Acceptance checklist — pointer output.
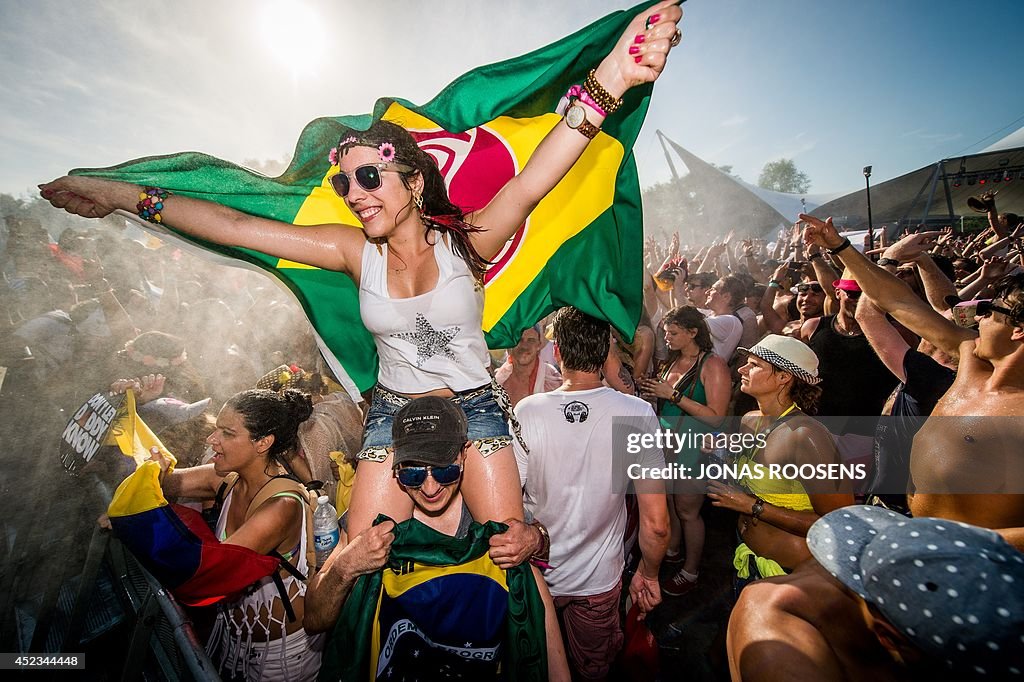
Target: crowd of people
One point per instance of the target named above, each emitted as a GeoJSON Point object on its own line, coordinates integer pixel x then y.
{"type": "Point", "coordinates": [900, 361]}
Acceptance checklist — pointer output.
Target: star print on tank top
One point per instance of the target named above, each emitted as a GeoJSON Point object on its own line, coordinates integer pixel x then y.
{"type": "Point", "coordinates": [429, 341]}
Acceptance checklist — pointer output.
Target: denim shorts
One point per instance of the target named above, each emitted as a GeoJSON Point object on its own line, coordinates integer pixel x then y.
{"type": "Point", "coordinates": [486, 412]}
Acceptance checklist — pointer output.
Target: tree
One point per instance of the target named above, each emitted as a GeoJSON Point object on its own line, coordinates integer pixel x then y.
{"type": "Point", "coordinates": [782, 176]}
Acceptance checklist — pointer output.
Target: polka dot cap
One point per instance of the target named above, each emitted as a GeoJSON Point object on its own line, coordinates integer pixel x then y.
{"type": "Point", "coordinates": [955, 591]}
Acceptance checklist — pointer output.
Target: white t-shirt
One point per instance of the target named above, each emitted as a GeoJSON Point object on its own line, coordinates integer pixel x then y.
{"type": "Point", "coordinates": [571, 484]}
{"type": "Point", "coordinates": [726, 331]}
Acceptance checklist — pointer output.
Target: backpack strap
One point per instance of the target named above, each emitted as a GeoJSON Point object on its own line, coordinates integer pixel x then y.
{"type": "Point", "coordinates": [212, 515]}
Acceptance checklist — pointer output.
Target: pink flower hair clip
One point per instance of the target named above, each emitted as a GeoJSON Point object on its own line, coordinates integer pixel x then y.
{"type": "Point", "coordinates": [332, 156]}
{"type": "Point", "coordinates": [386, 151]}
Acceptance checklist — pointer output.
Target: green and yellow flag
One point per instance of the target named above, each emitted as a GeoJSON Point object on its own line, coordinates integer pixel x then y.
{"type": "Point", "coordinates": [582, 245]}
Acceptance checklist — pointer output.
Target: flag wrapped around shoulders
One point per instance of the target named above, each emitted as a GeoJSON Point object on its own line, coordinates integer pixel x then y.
{"type": "Point", "coordinates": [440, 603]}
{"type": "Point", "coordinates": [582, 245]}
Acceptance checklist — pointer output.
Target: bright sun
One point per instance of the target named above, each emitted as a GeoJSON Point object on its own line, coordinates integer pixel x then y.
{"type": "Point", "coordinates": [294, 33]}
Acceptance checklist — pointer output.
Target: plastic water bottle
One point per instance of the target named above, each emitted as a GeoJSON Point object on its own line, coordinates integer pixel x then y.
{"type": "Point", "coordinates": [325, 529]}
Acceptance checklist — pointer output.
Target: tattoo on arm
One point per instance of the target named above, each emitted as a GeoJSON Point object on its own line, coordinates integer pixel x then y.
{"type": "Point", "coordinates": [626, 378]}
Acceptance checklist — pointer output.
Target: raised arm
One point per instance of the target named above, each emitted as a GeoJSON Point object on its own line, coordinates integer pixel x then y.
{"type": "Point", "coordinates": [888, 344]}
{"type": "Point", "coordinates": [888, 292]}
{"type": "Point", "coordinates": [914, 248]}
{"type": "Point", "coordinates": [331, 247]}
{"type": "Point", "coordinates": [638, 57]}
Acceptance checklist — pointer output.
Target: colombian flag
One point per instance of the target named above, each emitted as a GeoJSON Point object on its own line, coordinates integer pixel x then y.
{"type": "Point", "coordinates": [177, 547]}
{"type": "Point", "coordinates": [440, 604]}
{"type": "Point", "coordinates": [172, 541]}
{"type": "Point", "coordinates": [582, 245]}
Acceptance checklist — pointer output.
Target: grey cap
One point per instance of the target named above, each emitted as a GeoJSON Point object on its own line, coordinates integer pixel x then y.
{"type": "Point", "coordinates": [955, 591]}
{"type": "Point", "coordinates": [162, 413]}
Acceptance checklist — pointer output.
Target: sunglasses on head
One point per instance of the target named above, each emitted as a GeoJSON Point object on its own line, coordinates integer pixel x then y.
{"type": "Point", "coordinates": [986, 308]}
{"type": "Point", "coordinates": [414, 477]}
{"type": "Point", "coordinates": [368, 177]}
{"type": "Point", "coordinates": [804, 288]}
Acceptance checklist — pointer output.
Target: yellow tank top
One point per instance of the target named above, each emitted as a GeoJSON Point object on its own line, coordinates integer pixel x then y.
{"type": "Point", "coordinates": [790, 494]}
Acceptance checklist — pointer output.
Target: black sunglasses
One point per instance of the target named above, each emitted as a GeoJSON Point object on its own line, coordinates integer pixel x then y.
{"type": "Point", "coordinates": [986, 308]}
{"type": "Point", "coordinates": [367, 176]}
{"type": "Point", "coordinates": [414, 477]}
{"type": "Point", "coordinates": [853, 295]}
{"type": "Point", "coordinates": [804, 288]}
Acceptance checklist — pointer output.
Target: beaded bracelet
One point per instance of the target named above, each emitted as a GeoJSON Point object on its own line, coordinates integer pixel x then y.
{"type": "Point", "coordinates": [603, 98]}
{"type": "Point", "coordinates": [151, 202]}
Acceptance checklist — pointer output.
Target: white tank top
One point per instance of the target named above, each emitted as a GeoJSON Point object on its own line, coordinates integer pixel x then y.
{"type": "Point", "coordinates": [431, 341]}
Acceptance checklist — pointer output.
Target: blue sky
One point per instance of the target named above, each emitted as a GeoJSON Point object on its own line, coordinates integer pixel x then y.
{"type": "Point", "coordinates": [833, 85]}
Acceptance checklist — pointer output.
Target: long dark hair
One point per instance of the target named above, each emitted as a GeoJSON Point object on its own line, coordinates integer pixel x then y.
{"type": "Point", "coordinates": [438, 212]}
{"type": "Point", "coordinates": [687, 317]}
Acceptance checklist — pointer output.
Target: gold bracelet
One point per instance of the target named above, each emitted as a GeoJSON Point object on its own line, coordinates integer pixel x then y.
{"type": "Point", "coordinates": [603, 98]}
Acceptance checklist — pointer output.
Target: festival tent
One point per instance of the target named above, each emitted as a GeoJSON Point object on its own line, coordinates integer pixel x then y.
{"type": "Point", "coordinates": [760, 210]}
{"type": "Point", "coordinates": [936, 193]}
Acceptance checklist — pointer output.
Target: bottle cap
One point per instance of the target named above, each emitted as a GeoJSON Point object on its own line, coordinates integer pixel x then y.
{"type": "Point", "coordinates": [322, 500]}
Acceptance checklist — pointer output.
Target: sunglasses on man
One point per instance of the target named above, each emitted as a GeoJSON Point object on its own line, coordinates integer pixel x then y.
{"type": "Point", "coordinates": [986, 308]}
{"type": "Point", "coordinates": [415, 477]}
{"type": "Point", "coordinates": [368, 176]}
{"type": "Point", "coordinates": [813, 288]}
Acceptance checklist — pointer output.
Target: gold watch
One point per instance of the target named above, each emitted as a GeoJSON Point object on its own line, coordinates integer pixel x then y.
{"type": "Point", "coordinates": [576, 118]}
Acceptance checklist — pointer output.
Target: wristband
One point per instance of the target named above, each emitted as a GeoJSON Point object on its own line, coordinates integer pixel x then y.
{"type": "Point", "coordinates": [842, 245]}
{"type": "Point", "coordinates": [577, 92]}
{"type": "Point", "coordinates": [676, 397]}
{"type": "Point", "coordinates": [888, 261]}
{"type": "Point", "coordinates": [540, 558]}
{"type": "Point", "coordinates": [815, 255]}
{"type": "Point", "coordinates": [775, 284]}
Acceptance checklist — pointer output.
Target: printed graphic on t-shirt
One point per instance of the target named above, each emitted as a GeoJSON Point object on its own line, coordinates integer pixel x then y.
{"type": "Point", "coordinates": [429, 341]}
{"type": "Point", "coordinates": [576, 411]}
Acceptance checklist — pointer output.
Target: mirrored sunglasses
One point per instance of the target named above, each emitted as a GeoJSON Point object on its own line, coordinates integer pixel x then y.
{"type": "Point", "coordinates": [368, 177]}
{"type": "Point", "coordinates": [414, 477]}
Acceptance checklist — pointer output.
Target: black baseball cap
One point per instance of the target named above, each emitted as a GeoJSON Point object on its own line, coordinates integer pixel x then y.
{"type": "Point", "coordinates": [431, 430]}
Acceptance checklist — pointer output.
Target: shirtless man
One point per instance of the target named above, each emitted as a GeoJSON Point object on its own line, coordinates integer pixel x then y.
{"type": "Point", "coordinates": [957, 452]}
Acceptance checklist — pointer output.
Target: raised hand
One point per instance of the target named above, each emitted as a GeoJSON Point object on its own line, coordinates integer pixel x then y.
{"type": "Point", "coordinates": [820, 232]}
{"type": "Point", "coordinates": [639, 55]}
{"type": "Point", "coordinates": [995, 267]}
{"type": "Point", "coordinates": [912, 246]}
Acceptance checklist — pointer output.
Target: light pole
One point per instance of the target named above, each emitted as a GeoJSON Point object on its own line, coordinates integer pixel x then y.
{"type": "Point", "coordinates": [867, 183]}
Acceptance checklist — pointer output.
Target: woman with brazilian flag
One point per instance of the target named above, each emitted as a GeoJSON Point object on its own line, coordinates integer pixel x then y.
{"type": "Point", "coordinates": [422, 208]}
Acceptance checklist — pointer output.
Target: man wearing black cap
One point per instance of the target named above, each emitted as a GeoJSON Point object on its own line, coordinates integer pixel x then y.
{"type": "Point", "coordinates": [430, 440]}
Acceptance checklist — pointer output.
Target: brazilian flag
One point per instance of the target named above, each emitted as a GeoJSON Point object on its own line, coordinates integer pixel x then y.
{"type": "Point", "coordinates": [440, 609]}
{"type": "Point", "coordinates": [581, 246]}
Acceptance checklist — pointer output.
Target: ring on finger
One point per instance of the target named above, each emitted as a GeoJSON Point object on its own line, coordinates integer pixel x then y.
{"type": "Point", "coordinates": [648, 23]}
{"type": "Point", "coordinates": [676, 37]}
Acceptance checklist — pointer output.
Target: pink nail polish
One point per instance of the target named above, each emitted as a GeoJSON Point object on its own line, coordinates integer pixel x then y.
{"type": "Point", "coordinates": [637, 59]}
{"type": "Point", "coordinates": [639, 38]}
{"type": "Point", "coordinates": [633, 49]}
{"type": "Point", "coordinates": [654, 18]}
